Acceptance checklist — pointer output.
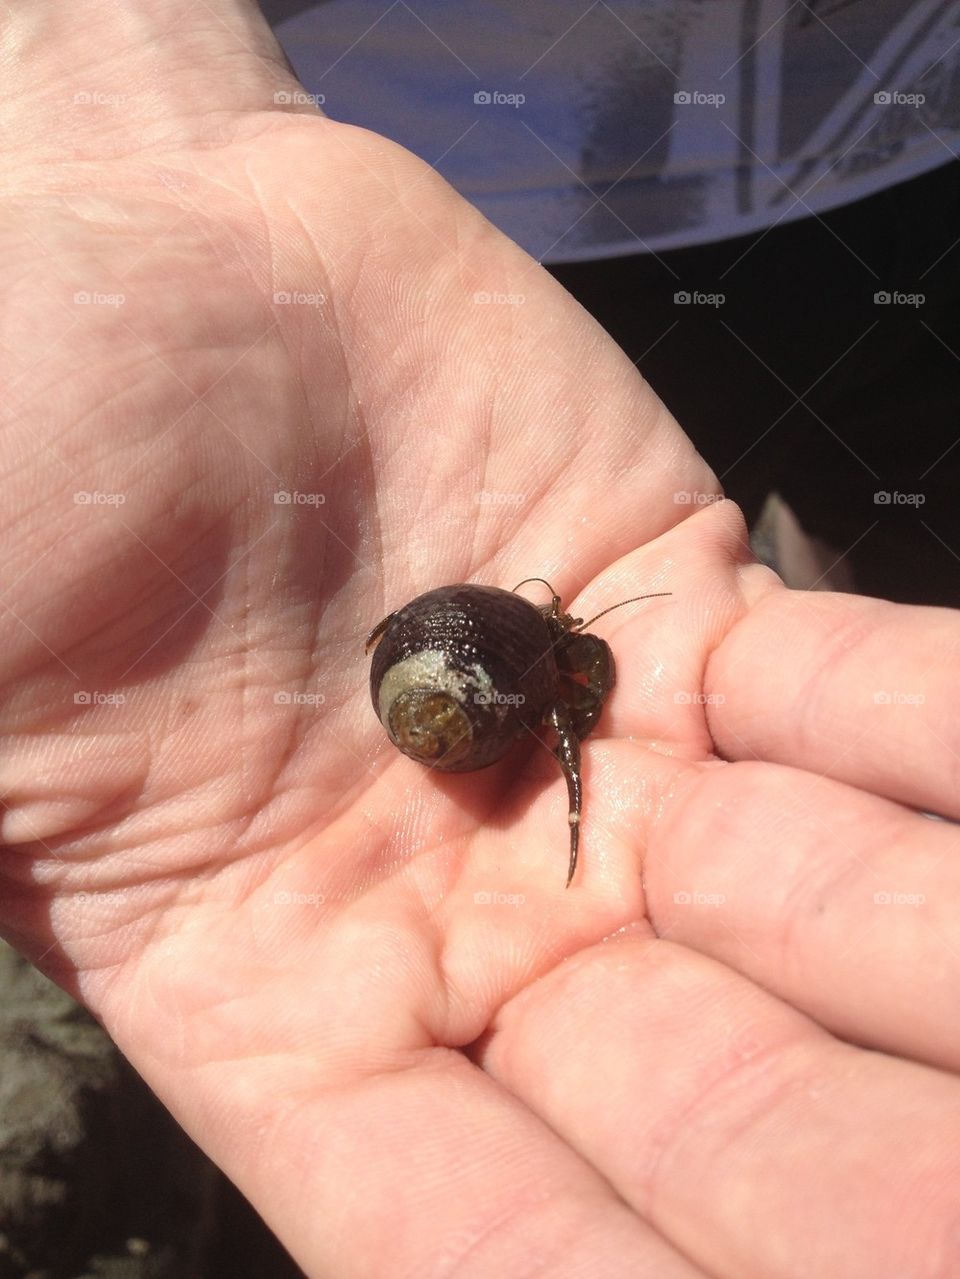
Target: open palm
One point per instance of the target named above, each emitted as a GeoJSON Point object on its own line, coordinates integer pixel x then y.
{"type": "Point", "coordinates": [269, 378]}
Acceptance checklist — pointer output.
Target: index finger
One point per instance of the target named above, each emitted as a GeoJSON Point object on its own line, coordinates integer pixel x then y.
{"type": "Point", "coordinates": [858, 689]}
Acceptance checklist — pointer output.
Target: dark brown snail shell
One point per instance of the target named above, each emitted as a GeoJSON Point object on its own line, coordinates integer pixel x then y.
{"type": "Point", "coordinates": [460, 673]}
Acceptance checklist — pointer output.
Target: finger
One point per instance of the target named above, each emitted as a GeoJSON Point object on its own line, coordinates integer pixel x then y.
{"type": "Point", "coordinates": [424, 1168]}
{"type": "Point", "coordinates": [843, 904]}
{"type": "Point", "coordinates": [659, 644]}
{"type": "Point", "coordinates": [859, 689]}
{"type": "Point", "coordinates": [762, 1147]}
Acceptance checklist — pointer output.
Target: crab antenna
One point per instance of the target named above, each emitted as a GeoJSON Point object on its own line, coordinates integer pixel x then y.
{"type": "Point", "coordinates": [656, 596]}
{"type": "Point", "coordinates": [537, 579]}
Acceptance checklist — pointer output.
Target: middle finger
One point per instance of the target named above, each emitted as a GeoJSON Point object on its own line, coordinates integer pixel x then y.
{"type": "Point", "coordinates": [760, 1146]}
{"type": "Point", "coordinates": [841, 903]}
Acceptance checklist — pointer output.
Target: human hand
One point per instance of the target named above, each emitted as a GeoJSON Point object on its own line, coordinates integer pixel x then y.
{"type": "Point", "coordinates": [274, 914]}
{"type": "Point", "coordinates": [762, 1061]}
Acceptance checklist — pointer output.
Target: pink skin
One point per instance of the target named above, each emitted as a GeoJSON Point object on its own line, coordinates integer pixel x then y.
{"type": "Point", "coordinates": [362, 989]}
